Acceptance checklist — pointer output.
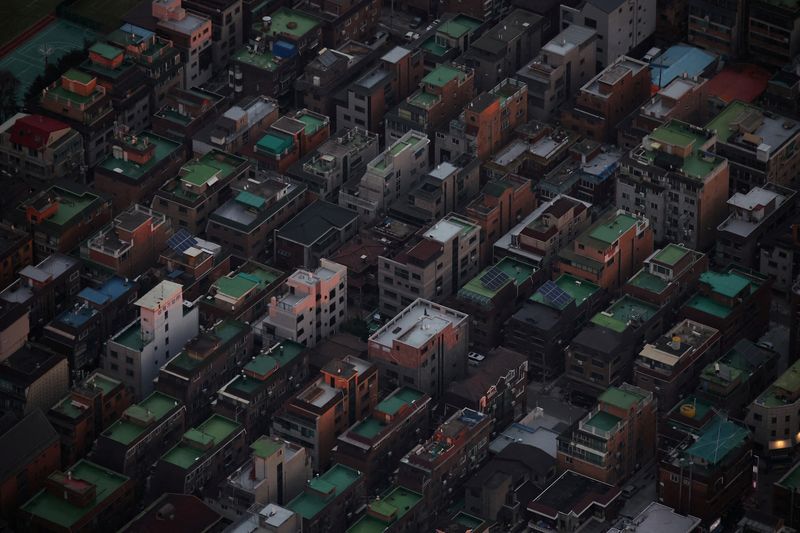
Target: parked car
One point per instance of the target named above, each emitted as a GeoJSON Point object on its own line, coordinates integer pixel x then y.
{"type": "Point", "coordinates": [416, 23]}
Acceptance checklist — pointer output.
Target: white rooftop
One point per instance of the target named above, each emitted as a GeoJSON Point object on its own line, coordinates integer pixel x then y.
{"type": "Point", "coordinates": [658, 517]}
{"type": "Point", "coordinates": [572, 36]}
{"type": "Point", "coordinates": [417, 324]}
{"type": "Point", "coordinates": [395, 54]}
{"type": "Point", "coordinates": [442, 170]}
{"type": "Point", "coordinates": [448, 228]}
{"type": "Point", "coordinates": [159, 293]}
{"type": "Point", "coordinates": [318, 394]}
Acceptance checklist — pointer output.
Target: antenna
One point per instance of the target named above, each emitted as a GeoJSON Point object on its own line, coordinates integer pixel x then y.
{"type": "Point", "coordinates": [46, 51]}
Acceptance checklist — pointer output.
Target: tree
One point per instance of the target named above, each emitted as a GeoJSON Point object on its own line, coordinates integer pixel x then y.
{"type": "Point", "coordinates": [52, 72]}
{"type": "Point", "coordinates": [9, 85]}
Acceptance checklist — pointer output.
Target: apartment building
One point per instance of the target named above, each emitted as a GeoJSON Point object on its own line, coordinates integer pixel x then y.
{"type": "Point", "coordinates": [614, 439]}
{"type": "Point", "coordinates": [486, 124]}
{"type": "Point", "coordinates": [338, 160]}
{"type": "Point", "coordinates": [773, 416]}
{"type": "Point", "coordinates": [135, 354]}
{"type": "Point", "coordinates": [563, 66]}
{"type": "Point", "coordinates": [235, 131]}
{"type": "Point", "coordinates": [343, 20]}
{"type": "Point", "coordinates": [314, 233]}
{"type": "Point", "coordinates": [388, 177]}
{"type": "Point", "coordinates": [242, 294]}
{"type": "Point", "coordinates": [588, 173]}
{"type": "Point", "coordinates": [773, 32]}
{"type": "Point", "coordinates": [422, 335]}
{"type": "Point", "coordinates": [779, 255]}
{"type": "Point", "coordinates": [670, 367]}
{"type": "Point", "coordinates": [185, 112]}
{"type": "Point", "coordinates": [327, 500]}
{"type": "Point", "coordinates": [760, 146]}
{"type": "Point", "coordinates": [191, 35]}
{"type": "Point", "coordinates": [718, 26]}
{"type": "Point", "coordinates": [503, 49]}
{"type": "Point", "coordinates": [227, 26]}
{"type": "Point", "coordinates": [398, 507]}
{"type": "Point", "coordinates": [40, 147]}
{"type": "Point", "coordinates": [313, 306]}
{"type": "Point", "coordinates": [621, 26]}
{"type": "Point", "coordinates": [610, 251]}
{"type": "Point", "coordinates": [289, 138]}
{"type": "Point", "coordinates": [434, 267]}
{"type": "Point", "coordinates": [452, 37]}
{"type": "Point", "coordinates": [668, 276]}
{"type": "Point", "coordinates": [605, 100]}
{"type": "Point", "coordinates": [572, 501]}
{"type": "Point", "coordinates": [16, 252]}
{"type": "Point", "coordinates": [676, 181]}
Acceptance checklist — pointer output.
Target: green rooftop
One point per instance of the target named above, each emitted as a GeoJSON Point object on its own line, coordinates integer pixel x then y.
{"type": "Point", "coordinates": [393, 505]}
{"type": "Point", "coordinates": [395, 401]}
{"type": "Point", "coordinates": [131, 337]}
{"type": "Point", "coordinates": [624, 312]}
{"type": "Point", "coordinates": [263, 60]}
{"type": "Point", "coordinates": [288, 22]}
{"type": "Point", "coordinates": [648, 281]}
{"type": "Point", "coordinates": [333, 482]}
{"type": "Point", "coordinates": [78, 76]}
{"type": "Point", "coordinates": [728, 284]}
{"type": "Point", "coordinates": [261, 364]}
{"type": "Point", "coordinates": [706, 305]}
{"type": "Point", "coordinates": [671, 254]}
{"type": "Point", "coordinates": [603, 421]}
{"type": "Point", "coordinates": [70, 206]}
{"type": "Point", "coordinates": [251, 200]}
{"type": "Point", "coordinates": [126, 430]}
{"type": "Point", "coordinates": [369, 428]}
{"type": "Point", "coordinates": [243, 282]}
{"type": "Point", "coordinates": [104, 383]}
{"type": "Point", "coordinates": [224, 332]}
{"type": "Point", "coordinates": [67, 408]}
{"type": "Point", "coordinates": [701, 407]}
{"type": "Point", "coordinates": [286, 351]}
{"type": "Point", "coordinates": [433, 47]}
{"type": "Point", "coordinates": [275, 143]}
{"type": "Point", "coordinates": [784, 387]}
{"type": "Point", "coordinates": [459, 25]}
{"type": "Point", "coordinates": [580, 290]}
{"type": "Point", "coordinates": [697, 164]}
{"type": "Point", "coordinates": [791, 480]}
{"type": "Point", "coordinates": [442, 75]}
{"type": "Point", "coordinates": [608, 232]}
{"type": "Point", "coordinates": [265, 447]}
{"type": "Point", "coordinates": [718, 439]}
{"type": "Point", "coordinates": [468, 520]}
{"type": "Point", "coordinates": [213, 164]}
{"type": "Point", "coordinates": [622, 398]}
{"type": "Point", "coordinates": [56, 510]}
{"type": "Point", "coordinates": [106, 51]}
{"type": "Point", "coordinates": [313, 124]}
{"type": "Point", "coordinates": [424, 99]}
{"type": "Point", "coordinates": [721, 124]}
{"type": "Point", "coordinates": [214, 430]}
{"type": "Point", "coordinates": [164, 148]}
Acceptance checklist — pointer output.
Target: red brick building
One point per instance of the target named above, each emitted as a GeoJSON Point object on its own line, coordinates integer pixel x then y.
{"type": "Point", "coordinates": [343, 20]}
{"type": "Point", "coordinates": [291, 137]}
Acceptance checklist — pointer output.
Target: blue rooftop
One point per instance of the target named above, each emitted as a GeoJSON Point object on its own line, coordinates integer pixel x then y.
{"type": "Point", "coordinates": [111, 290]}
{"type": "Point", "coordinates": [677, 60]}
{"type": "Point", "coordinates": [76, 318]}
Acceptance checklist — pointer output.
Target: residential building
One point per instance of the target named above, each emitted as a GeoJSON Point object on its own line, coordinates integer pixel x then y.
{"type": "Point", "coordinates": [674, 180]}
{"type": "Point", "coordinates": [199, 461]}
{"type": "Point", "coordinates": [421, 335]}
{"type": "Point", "coordinates": [605, 100]}
{"type": "Point", "coordinates": [190, 35]}
{"type": "Point", "coordinates": [548, 320]}
{"type": "Point", "coordinates": [343, 20]}
{"type": "Point", "coordinates": [322, 293]}
{"type": "Point", "coordinates": [40, 148]}
{"type": "Point", "coordinates": [80, 102]}
{"type": "Point", "coordinates": [783, 497]}
{"type": "Point", "coordinates": [783, 89]}
{"type": "Point", "coordinates": [388, 178]}
{"type": "Point", "coordinates": [714, 455]}
{"type": "Point", "coordinates": [614, 439]}
{"type": "Point", "coordinates": [328, 499]}
{"type": "Point", "coordinates": [773, 31]}
{"type": "Point", "coordinates": [680, 61]}
{"type": "Point", "coordinates": [14, 327]}
{"type": "Point", "coordinates": [155, 55]}
{"type": "Point", "coordinates": [618, 237]}
{"type": "Point", "coordinates": [30, 452]}
{"type": "Point", "coordinates": [398, 508]}
{"type": "Point", "coordinates": [289, 138]}
{"type": "Point", "coordinates": [185, 113]}
{"type": "Point", "coordinates": [758, 144]}
{"type": "Point", "coordinates": [498, 207]}
{"type": "Point", "coordinates": [538, 149]}
{"type": "Point", "coordinates": [136, 167]}
{"type": "Point", "coordinates": [86, 497]}
{"type": "Point", "coordinates": [486, 124]}
{"type": "Point", "coordinates": [345, 392]}
{"type": "Point", "coordinates": [275, 472]}
{"type": "Point", "coordinates": [134, 442]}
{"type": "Point", "coordinates": [199, 189]}
{"type": "Point", "coordinates": [571, 501]}
{"type": "Point", "coordinates": [602, 354]}
{"type": "Point", "coordinates": [491, 297]}
{"type": "Point", "coordinates": [316, 232]}
{"type": "Point", "coordinates": [111, 299]}
{"type": "Point", "coordinates": [444, 461]}
{"type": "Point", "coordinates": [589, 173]}
{"type": "Point", "coordinates": [131, 244]}
{"type": "Point", "coordinates": [16, 252]}
{"type": "Point", "coordinates": [81, 324]}
{"type": "Point", "coordinates": [360, 256]}
{"type": "Point", "coordinates": [236, 130]}
{"type": "Point", "coordinates": [265, 382]}
{"type": "Point", "coordinates": [656, 513]}
{"type": "Point", "coordinates": [668, 276]}
{"type": "Point", "coordinates": [502, 50]}
{"type": "Point", "coordinates": [375, 444]}
{"type": "Point", "coordinates": [718, 26]}
{"type": "Point", "coordinates": [452, 37]}
{"type": "Point", "coordinates": [735, 301]}
{"type": "Point", "coordinates": [745, 82]}
{"type": "Point", "coordinates": [139, 342]}
{"type": "Point", "coordinates": [33, 377]}
{"type": "Point", "coordinates": [446, 188]}
{"type": "Point", "coordinates": [497, 386]}
{"type": "Point", "coordinates": [124, 82]}
{"type": "Point", "coordinates": [365, 101]}
{"type": "Point", "coordinates": [612, 20]}
{"type": "Point", "coordinates": [340, 159]}
{"type": "Point", "coordinates": [735, 379]}
{"type": "Point", "coordinates": [671, 366]}
{"type": "Point", "coordinates": [187, 511]}
{"type": "Point", "coordinates": [779, 255]}
{"type": "Point", "coordinates": [227, 26]}
{"type": "Point", "coordinates": [45, 290]}
{"type": "Point", "coordinates": [79, 418]}
{"type": "Point", "coordinates": [563, 66]}
{"type": "Point", "coordinates": [61, 217]}
{"type": "Point", "coordinates": [242, 294]}
{"type": "Point", "coordinates": [434, 267]}
{"type": "Point", "coordinates": [246, 222]}
{"type": "Point", "coordinates": [538, 237]}
{"type": "Point", "coordinates": [773, 416]}
{"type": "Point", "coordinates": [205, 364]}
{"type": "Point", "coordinates": [754, 217]}
{"type": "Point", "coordinates": [443, 94]}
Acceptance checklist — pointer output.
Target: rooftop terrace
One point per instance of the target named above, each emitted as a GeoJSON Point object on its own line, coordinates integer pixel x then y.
{"type": "Point", "coordinates": [442, 75]}
{"type": "Point", "coordinates": [750, 123]}
{"type": "Point", "coordinates": [164, 148]}
{"type": "Point", "coordinates": [213, 432]}
{"type": "Point", "coordinates": [625, 312]}
{"type": "Point", "coordinates": [407, 326]}
{"type": "Point", "coordinates": [577, 289]}
{"type": "Point", "coordinates": [393, 505]}
{"type": "Point", "coordinates": [132, 424]}
{"type": "Point", "coordinates": [323, 490]}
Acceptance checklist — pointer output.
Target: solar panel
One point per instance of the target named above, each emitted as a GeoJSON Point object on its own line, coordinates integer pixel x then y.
{"type": "Point", "coordinates": [181, 241]}
{"type": "Point", "coordinates": [555, 294]}
{"type": "Point", "coordinates": [494, 278]}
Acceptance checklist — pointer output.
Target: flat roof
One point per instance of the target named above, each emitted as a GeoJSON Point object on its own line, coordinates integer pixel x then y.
{"type": "Point", "coordinates": [579, 290]}
{"type": "Point", "coordinates": [291, 22]}
{"type": "Point", "coordinates": [442, 75]}
{"type": "Point", "coordinates": [622, 398]}
{"type": "Point", "coordinates": [603, 421]}
{"type": "Point", "coordinates": [449, 227]}
{"type": "Point", "coordinates": [671, 254]}
{"type": "Point", "coordinates": [611, 230]}
{"type": "Point", "coordinates": [332, 483]}
{"type": "Point", "coordinates": [625, 312]}
{"type": "Point", "coordinates": [417, 324]}
{"type": "Point", "coordinates": [159, 293]}
{"type": "Point", "coordinates": [773, 131]}
{"type": "Point", "coordinates": [394, 504]}
{"type": "Point", "coordinates": [213, 430]}
{"type": "Point", "coordinates": [156, 405]}
{"type": "Point", "coordinates": [164, 148]}
{"type": "Point", "coordinates": [399, 398]}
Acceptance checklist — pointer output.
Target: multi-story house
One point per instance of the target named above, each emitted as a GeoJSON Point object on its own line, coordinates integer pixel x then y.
{"type": "Point", "coordinates": [241, 294]}
{"type": "Point", "coordinates": [326, 501]}
{"type": "Point", "coordinates": [718, 26]}
{"type": "Point", "coordinates": [343, 20]}
{"type": "Point", "coordinates": [16, 252]}
{"type": "Point", "coordinates": [227, 26]}
{"type": "Point", "coordinates": [41, 148]}
{"type": "Point", "coordinates": [676, 181]}
{"type": "Point", "coordinates": [185, 112]}
{"type": "Point", "coordinates": [236, 130]}
{"type": "Point", "coordinates": [190, 34]}
{"type": "Point", "coordinates": [289, 138]}
{"type": "Point", "coordinates": [668, 276]}
{"type": "Point", "coordinates": [773, 31]}
{"type": "Point", "coordinates": [773, 416]}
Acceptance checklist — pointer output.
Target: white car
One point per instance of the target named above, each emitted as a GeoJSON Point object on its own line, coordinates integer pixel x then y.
{"type": "Point", "coordinates": [475, 357]}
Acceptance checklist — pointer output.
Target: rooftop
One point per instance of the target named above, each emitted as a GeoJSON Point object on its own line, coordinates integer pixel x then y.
{"type": "Point", "coordinates": [315, 221]}
{"type": "Point", "coordinates": [627, 311]}
{"type": "Point", "coordinates": [577, 290]}
{"type": "Point", "coordinates": [783, 390]}
{"type": "Point", "coordinates": [393, 505]}
{"type": "Point", "coordinates": [135, 420]}
{"type": "Point", "coordinates": [488, 283]}
{"type": "Point", "coordinates": [623, 398]}
{"type": "Point", "coordinates": [321, 490]}
{"type": "Point", "coordinates": [213, 432]}
{"type": "Point", "coordinates": [671, 254]}
{"type": "Point", "coordinates": [292, 23]}
{"type": "Point", "coordinates": [210, 168]}
{"type": "Point", "coordinates": [718, 439]}
{"type": "Point", "coordinates": [164, 149]}
{"type": "Point", "coordinates": [609, 231]}
{"type": "Point", "coordinates": [442, 75]}
{"type": "Point", "coordinates": [398, 399]}
{"type": "Point", "coordinates": [603, 421]}
{"type": "Point", "coordinates": [259, 59]}
{"type": "Point", "coordinates": [750, 126]}
{"type": "Point", "coordinates": [417, 324]}
{"type": "Point", "coordinates": [659, 517]}
{"type": "Point", "coordinates": [679, 60]}
{"type": "Point", "coordinates": [660, 150]}
{"type": "Point", "coordinates": [458, 26]}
